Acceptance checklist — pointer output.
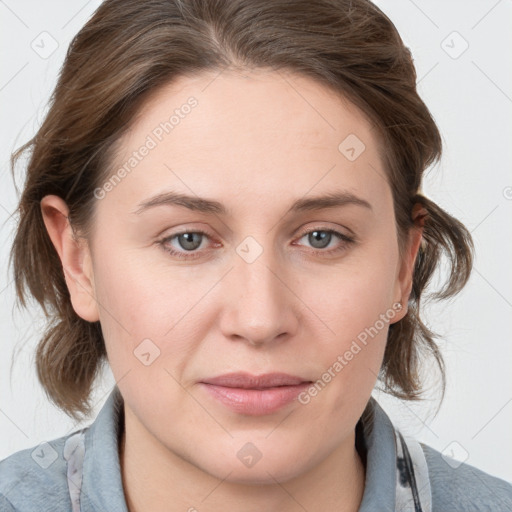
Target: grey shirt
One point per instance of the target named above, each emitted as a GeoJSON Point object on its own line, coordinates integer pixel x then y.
{"type": "Point", "coordinates": [81, 472]}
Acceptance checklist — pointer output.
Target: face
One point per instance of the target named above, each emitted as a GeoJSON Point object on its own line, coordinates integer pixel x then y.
{"type": "Point", "coordinates": [260, 279]}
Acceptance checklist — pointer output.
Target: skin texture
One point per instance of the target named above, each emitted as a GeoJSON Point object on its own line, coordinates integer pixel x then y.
{"type": "Point", "coordinates": [256, 143]}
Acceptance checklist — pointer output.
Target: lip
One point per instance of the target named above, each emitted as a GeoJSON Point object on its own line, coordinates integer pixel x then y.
{"type": "Point", "coordinates": [255, 395]}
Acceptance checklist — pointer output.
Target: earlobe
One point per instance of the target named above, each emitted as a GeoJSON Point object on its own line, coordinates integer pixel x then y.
{"type": "Point", "coordinates": [74, 255]}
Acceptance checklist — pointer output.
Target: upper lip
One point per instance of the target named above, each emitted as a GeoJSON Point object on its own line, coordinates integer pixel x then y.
{"type": "Point", "coordinates": [247, 381]}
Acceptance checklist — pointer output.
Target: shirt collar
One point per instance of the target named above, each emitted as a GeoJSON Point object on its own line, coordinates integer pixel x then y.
{"type": "Point", "coordinates": [379, 441]}
{"type": "Point", "coordinates": [102, 487]}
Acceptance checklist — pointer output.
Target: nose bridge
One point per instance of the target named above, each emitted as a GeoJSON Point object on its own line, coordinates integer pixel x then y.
{"type": "Point", "coordinates": [260, 308]}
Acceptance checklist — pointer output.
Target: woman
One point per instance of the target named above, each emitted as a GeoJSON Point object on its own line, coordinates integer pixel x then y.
{"type": "Point", "coordinates": [224, 204]}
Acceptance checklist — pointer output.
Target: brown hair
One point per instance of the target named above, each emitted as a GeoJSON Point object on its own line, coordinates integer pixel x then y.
{"type": "Point", "coordinates": [126, 51]}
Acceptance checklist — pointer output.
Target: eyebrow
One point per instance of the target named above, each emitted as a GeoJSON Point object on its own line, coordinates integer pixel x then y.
{"type": "Point", "coordinates": [203, 205]}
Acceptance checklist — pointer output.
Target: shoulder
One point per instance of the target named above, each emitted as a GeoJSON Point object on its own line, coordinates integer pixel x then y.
{"type": "Point", "coordinates": [36, 478]}
{"type": "Point", "coordinates": [461, 487]}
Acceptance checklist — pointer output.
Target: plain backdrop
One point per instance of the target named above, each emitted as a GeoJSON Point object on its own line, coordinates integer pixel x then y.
{"type": "Point", "coordinates": [462, 52]}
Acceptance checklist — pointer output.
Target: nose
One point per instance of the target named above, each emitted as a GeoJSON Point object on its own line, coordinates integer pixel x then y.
{"type": "Point", "coordinates": [260, 305]}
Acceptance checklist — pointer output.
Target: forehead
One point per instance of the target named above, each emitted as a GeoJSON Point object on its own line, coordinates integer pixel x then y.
{"type": "Point", "coordinates": [260, 131]}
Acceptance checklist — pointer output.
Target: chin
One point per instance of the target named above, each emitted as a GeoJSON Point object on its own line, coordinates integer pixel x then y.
{"type": "Point", "coordinates": [265, 470]}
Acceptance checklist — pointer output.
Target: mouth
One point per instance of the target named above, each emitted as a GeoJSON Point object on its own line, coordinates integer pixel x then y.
{"type": "Point", "coordinates": [255, 395]}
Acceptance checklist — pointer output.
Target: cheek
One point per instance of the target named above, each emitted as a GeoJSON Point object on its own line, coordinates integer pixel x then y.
{"type": "Point", "coordinates": [355, 306]}
{"type": "Point", "coordinates": [147, 310]}
{"type": "Point", "coordinates": [351, 296]}
{"type": "Point", "coordinates": [135, 297]}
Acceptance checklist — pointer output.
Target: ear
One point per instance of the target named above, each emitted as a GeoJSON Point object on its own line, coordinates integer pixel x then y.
{"type": "Point", "coordinates": [74, 255]}
{"type": "Point", "coordinates": [404, 281]}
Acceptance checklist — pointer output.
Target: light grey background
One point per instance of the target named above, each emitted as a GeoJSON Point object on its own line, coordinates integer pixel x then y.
{"type": "Point", "coordinates": [470, 96]}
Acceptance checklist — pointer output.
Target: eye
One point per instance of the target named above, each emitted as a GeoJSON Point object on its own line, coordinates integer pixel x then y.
{"type": "Point", "coordinates": [320, 238]}
{"type": "Point", "coordinates": [186, 242]}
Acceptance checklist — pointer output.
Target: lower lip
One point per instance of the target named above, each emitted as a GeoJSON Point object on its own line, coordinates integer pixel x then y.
{"type": "Point", "coordinates": [255, 402]}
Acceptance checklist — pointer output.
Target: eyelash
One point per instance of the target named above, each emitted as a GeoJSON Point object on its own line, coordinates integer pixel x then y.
{"type": "Point", "coordinates": [194, 254]}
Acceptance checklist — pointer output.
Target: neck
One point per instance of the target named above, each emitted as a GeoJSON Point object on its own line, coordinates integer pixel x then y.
{"type": "Point", "coordinates": [156, 479]}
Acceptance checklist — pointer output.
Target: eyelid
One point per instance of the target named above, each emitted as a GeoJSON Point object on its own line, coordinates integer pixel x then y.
{"type": "Point", "coordinates": [328, 229]}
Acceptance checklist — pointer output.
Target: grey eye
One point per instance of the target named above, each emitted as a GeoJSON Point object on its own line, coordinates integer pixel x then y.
{"type": "Point", "coordinates": [189, 241]}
